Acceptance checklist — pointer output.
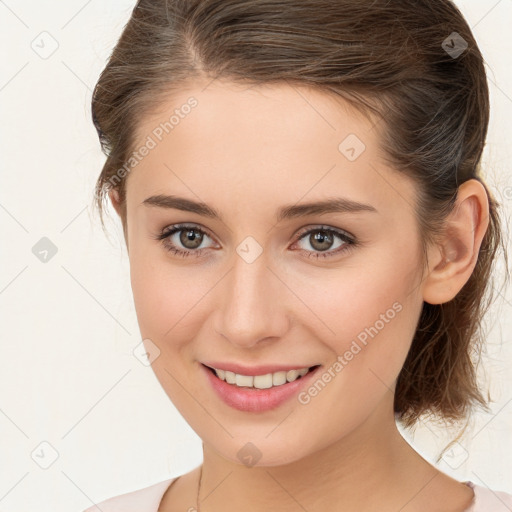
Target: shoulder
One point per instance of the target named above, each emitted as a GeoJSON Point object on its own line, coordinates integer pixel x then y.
{"type": "Point", "coordinates": [488, 500]}
{"type": "Point", "coordinates": [147, 499]}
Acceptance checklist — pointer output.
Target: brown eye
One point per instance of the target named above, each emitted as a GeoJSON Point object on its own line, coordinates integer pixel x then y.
{"type": "Point", "coordinates": [191, 238]}
{"type": "Point", "coordinates": [322, 239]}
{"type": "Point", "coordinates": [185, 244]}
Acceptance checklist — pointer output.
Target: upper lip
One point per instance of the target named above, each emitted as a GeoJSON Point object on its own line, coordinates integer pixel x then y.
{"type": "Point", "coordinates": [254, 370]}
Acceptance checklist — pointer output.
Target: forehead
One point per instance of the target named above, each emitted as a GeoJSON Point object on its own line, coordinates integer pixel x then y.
{"type": "Point", "coordinates": [272, 142]}
{"type": "Point", "coordinates": [268, 112]}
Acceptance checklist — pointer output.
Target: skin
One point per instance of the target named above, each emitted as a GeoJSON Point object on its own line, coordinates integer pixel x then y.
{"type": "Point", "coordinates": [247, 151]}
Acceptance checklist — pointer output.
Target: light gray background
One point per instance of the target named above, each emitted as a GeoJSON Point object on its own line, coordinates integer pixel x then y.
{"type": "Point", "coordinates": [68, 374]}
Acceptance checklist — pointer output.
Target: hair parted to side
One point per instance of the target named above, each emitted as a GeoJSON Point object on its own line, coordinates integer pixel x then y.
{"type": "Point", "coordinates": [384, 57]}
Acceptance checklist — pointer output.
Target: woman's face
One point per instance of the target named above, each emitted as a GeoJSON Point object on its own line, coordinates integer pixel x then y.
{"type": "Point", "coordinates": [268, 281]}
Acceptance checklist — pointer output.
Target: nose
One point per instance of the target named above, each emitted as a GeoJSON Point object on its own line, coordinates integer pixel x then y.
{"type": "Point", "coordinates": [252, 304]}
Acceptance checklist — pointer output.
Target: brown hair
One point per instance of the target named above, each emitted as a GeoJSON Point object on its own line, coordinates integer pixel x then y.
{"type": "Point", "coordinates": [395, 59]}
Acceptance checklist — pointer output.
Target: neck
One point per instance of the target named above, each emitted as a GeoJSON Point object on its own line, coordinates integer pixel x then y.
{"type": "Point", "coordinates": [370, 469]}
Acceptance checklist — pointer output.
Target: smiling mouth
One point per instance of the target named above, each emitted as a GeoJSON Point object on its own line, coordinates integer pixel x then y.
{"type": "Point", "coordinates": [266, 381]}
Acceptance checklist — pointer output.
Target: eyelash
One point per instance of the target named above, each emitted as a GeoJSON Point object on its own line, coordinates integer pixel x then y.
{"type": "Point", "coordinates": [164, 237]}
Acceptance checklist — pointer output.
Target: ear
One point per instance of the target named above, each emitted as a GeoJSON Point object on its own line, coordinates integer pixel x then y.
{"type": "Point", "coordinates": [451, 262]}
{"type": "Point", "coordinates": [113, 194]}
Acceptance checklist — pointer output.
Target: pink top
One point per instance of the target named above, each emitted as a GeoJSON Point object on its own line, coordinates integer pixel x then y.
{"type": "Point", "coordinates": [148, 500]}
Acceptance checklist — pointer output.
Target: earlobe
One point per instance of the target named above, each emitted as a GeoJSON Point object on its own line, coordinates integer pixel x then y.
{"type": "Point", "coordinates": [453, 260]}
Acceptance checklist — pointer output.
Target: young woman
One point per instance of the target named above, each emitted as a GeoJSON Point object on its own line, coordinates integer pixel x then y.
{"type": "Point", "coordinates": [310, 243]}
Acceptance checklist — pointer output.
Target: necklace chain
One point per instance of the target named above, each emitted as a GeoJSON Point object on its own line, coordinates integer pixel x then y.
{"type": "Point", "coordinates": [199, 487]}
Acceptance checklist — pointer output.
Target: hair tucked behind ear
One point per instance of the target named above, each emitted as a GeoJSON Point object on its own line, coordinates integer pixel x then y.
{"type": "Point", "coordinates": [395, 60]}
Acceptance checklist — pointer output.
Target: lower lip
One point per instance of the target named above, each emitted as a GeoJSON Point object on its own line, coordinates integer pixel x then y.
{"type": "Point", "coordinates": [256, 400]}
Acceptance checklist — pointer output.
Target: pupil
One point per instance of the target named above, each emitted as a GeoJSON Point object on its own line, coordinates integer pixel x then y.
{"type": "Point", "coordinates": [322, 237]}
{"type": "Point", "coordinates": [190, 236]}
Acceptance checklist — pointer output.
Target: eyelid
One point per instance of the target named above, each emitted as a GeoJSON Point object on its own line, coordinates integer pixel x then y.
{"type": "Point", "coordinates": [182, 226]}
{"type": "Point", "coordinates": [312, 227]}
{"type": "Point", "coordinates": [349, 241]}
{"type": "Point", "coordinates": [319, 227]}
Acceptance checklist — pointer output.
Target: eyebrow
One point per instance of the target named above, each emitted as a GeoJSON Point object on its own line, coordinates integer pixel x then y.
{"type": "Point", "coordinates": [333, 205]}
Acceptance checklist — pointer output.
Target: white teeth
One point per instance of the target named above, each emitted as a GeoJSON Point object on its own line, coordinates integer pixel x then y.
{"type": "Point", "coordinates": [292, 375]}
{"type": "Point", "coordinates": [278, 378]}
{"type": "Point", "coordinates": [245, 381]}
{"type": "Point", "coordinates": [261, 381]}
{"type": "Point", "coordinates": [230, 377]}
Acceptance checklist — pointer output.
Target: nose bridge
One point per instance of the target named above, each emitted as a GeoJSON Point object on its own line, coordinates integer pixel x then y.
{"type": "Point", "coordinates": [251, 307]}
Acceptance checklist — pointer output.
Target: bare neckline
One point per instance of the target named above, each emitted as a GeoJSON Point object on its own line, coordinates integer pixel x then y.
{"type": "Point", "coordinates": [175, 479]}
{"type": "Point", "coordinates": [468, 483]}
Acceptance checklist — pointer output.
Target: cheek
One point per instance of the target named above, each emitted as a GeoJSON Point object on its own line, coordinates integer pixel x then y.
{"type": "Point", "coordinates": [366, 315]}
{"type": "Point", "coordinates": [158, 293]}
{"type": "Point", "coordinates": [170, 298]}
{"type": "Point", "coordinates": [374, 317]}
